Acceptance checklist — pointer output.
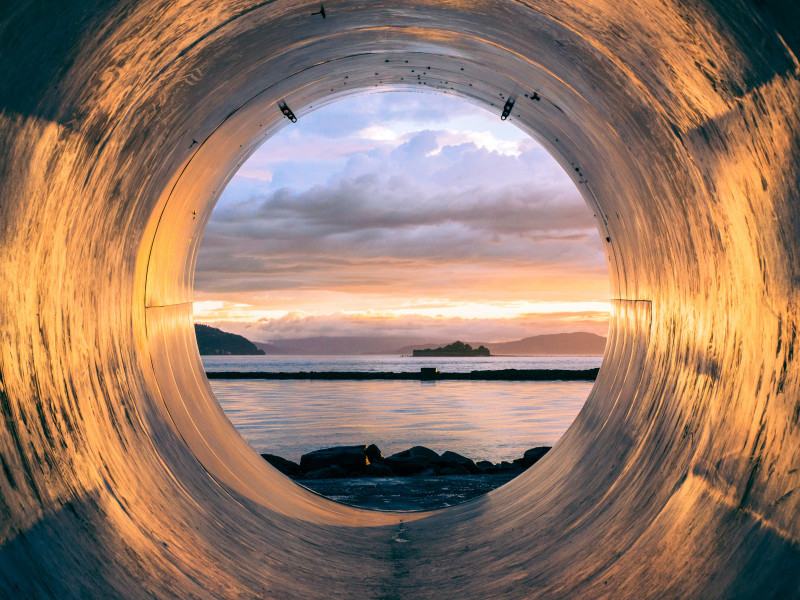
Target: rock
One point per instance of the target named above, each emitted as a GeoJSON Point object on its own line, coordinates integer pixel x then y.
{"type": "Point", "coordinates": [487, 467]}
{"type": "Point", "coordinates": [413, 461]}
{"type": "Point", "coordinates": [418, 452]}
{"type": "Point", "coordinates": [373, 454]}
{"type": "Point", "coordinates": [332, 472]}
{"type": "Point", "coordinates": [537, 452]}
{"type": "Point", "coordinates": [454, 460]}
{"type": "Point", "coordinates": [287, 467]}
{"type": "Point", "coordinates": [378, 469]}
{"type": "Point", "coordinates": [407, 465]}
{"type": "Point", "coordinates": [509, 467]}
{"type": "Point", "coordinates": [457, 470]}
{"type": "Point", "coordinates": [532, 456]}
{"type": "Point", "coordinates": [351, 459]}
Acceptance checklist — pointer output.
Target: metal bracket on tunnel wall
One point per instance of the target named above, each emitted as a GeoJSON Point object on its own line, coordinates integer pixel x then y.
{"type": "Point", "coordinates": [287, 112]}
{"type": "Point", "coordinates": [507, 108]}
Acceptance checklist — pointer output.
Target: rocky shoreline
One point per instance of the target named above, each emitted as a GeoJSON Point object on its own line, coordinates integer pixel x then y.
{"type": "Point", "coordinates": [415, 479]}
{"type": "Point", "coordinates": [368, 461]}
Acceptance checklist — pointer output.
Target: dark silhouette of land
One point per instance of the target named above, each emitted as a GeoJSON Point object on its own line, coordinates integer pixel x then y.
{"type": "Point", "coordinates": [454, 349]}
{"type": "Point", "coordinates": [558, 344]}
{"type": "Point", "coordinates": [213, 341]}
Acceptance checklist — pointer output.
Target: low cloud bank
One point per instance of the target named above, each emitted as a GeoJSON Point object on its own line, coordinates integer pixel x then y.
{"type": "Point", "coordinates": [294, 326]}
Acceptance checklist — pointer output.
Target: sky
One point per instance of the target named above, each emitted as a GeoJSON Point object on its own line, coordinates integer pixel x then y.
{"type": "Point", "coordinates": [401, 213]}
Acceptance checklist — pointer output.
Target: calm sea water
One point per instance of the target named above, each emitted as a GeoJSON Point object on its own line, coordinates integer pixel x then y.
{"type": "Point", "coordinates": [485, 420]}
{"type": "Point", "coordinates": [394, 363]}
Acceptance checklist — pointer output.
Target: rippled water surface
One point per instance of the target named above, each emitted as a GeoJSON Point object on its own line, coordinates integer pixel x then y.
{"type": "Point", "coordinates": [485, 420]}
{"type": "Point", "coordinates": [396, 364]}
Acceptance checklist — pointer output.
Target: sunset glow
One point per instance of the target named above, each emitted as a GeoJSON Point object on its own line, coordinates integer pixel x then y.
{"type": "Point", "coordinates": [423, 215]}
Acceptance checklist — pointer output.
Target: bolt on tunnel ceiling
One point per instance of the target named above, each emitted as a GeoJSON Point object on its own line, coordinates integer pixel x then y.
{"type": "Point", "coordinates": [120, 474]}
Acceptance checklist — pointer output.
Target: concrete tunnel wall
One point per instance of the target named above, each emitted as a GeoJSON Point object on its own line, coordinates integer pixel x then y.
{"type": "Point", "coordinates": [121, 122]}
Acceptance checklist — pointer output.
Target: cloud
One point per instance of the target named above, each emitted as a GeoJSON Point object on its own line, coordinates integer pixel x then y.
{"type": "Point", "coordinates": [298, 325]}
{"type": "Point", "coordinates": [394, 204]}
{"type": "Point", "coordinates": [311, 151]}
{"type": "Point", "coordinates": [462, 205]}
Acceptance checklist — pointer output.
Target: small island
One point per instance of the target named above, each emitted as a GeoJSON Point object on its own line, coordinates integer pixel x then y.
{"type": "Point", "coordinates": [454, 349]}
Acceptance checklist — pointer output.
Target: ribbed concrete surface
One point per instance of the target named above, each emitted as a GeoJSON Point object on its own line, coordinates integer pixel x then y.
{"type": "Point", "coordinates": [122, 478]}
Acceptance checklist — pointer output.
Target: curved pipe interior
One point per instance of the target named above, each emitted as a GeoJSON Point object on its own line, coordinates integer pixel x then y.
{"type": "Point", "coordinates": [121, 475]}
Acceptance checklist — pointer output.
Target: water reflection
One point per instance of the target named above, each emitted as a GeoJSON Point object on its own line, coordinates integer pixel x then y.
{"type": "Point", "coordinates": [484, 420]}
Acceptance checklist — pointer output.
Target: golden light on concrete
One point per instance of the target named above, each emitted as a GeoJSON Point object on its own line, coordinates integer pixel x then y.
{"type": "Point", "coordinates": [121, 123]}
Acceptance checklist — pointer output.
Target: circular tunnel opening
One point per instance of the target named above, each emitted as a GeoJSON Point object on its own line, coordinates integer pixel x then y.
{"type": "Point", "coordinates": [532, 96]}
{"type": "Point", "coordinates": [171, 261]}
{"type": "Point", "coordinates": [353, 245]}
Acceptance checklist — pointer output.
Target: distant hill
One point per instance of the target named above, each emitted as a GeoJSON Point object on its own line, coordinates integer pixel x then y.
{"type": "Point", "coordinates": [555, 344]}
{"type": "Point", "coordinates": [213, 341]}
{"type": "Point", "coordinates": [339, 345]}
{"type": "Point", "coordinates": [578, 343]}
{"type": "Point", "coordinates": [454, 349]}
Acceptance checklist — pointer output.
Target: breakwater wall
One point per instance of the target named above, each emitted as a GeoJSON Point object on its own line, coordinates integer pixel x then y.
{"type": "Point", "coordinates": [487, 375]}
